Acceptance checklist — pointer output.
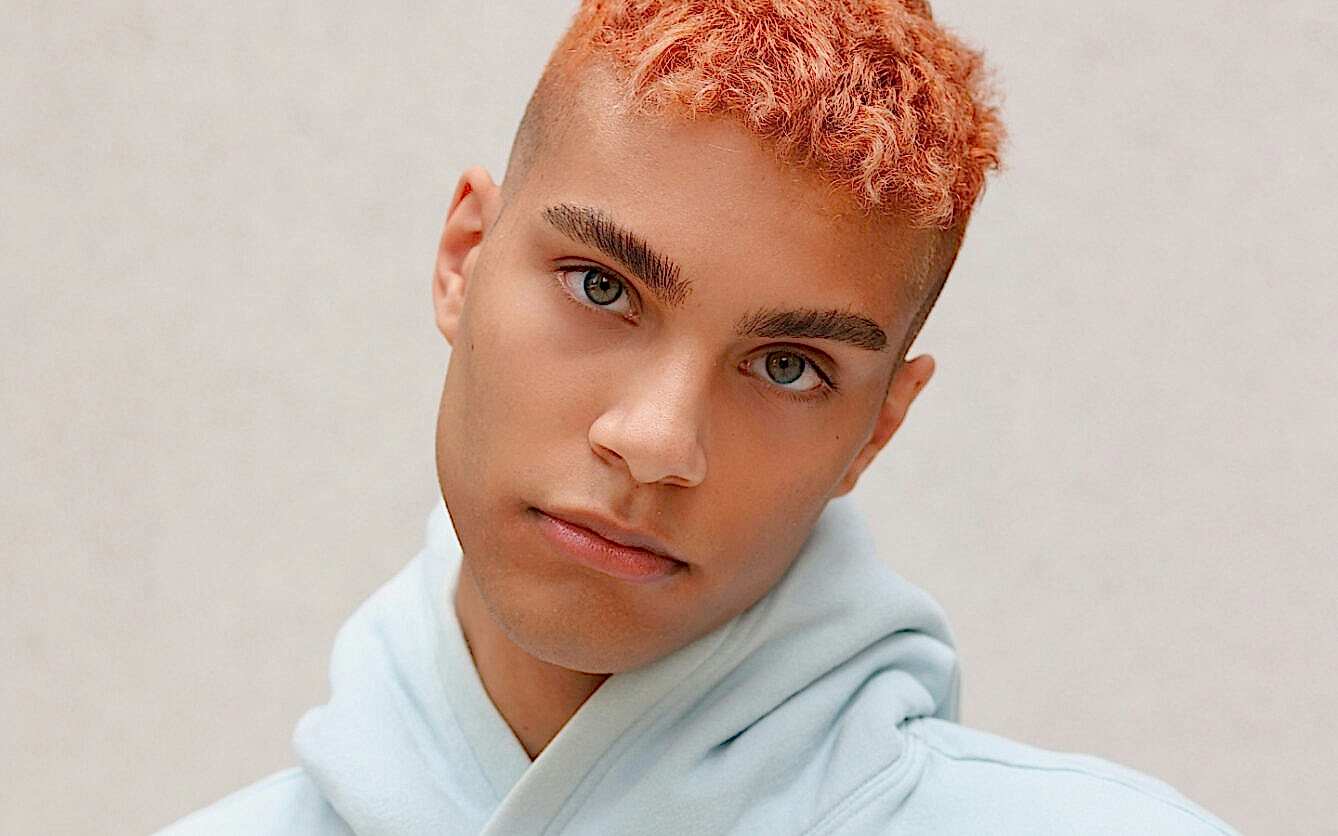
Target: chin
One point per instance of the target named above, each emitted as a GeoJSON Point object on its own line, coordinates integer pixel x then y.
{"type": "Point", "coordinates": [574, 644]}
{"type": "Point", "coordinates": [570, 620]}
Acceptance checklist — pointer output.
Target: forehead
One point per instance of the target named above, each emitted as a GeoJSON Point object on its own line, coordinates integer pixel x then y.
{"type": "Point", "coordinates": [718, 201]}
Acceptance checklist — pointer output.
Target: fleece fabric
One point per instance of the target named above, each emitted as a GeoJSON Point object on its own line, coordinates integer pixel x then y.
{"type": "Point", "coordinates": [829, 706]}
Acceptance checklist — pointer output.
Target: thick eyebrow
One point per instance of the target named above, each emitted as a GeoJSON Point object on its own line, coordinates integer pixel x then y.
{"type": "Point", "coordinates": [843, 326]}
{"type": "Point", "coordinates": [594, 228]}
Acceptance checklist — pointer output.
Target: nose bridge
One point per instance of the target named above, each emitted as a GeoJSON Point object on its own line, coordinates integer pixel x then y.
{"type": "Point", "coordinates": [656, 420]}
{"type": "Point", "coordinates": [675, 383]}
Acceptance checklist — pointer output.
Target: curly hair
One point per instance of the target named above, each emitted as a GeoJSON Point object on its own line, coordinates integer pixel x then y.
{"type": "Point", "coordinates": [873, 94]}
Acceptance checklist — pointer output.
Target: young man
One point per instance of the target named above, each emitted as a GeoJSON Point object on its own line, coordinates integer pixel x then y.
{"type": "Point", "coordinates": [678, 333]}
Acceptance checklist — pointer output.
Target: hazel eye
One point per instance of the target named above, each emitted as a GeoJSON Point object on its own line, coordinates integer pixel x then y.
{"type": "Point", "coordinates": [788, 367]}
{"type": "Point", "coordinates": [595, 288]}
{"type": "Point", "coordinates": [601, 288]}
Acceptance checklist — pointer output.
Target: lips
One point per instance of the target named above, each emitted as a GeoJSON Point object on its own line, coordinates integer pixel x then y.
{"type": "Point", "coordinates": [624, 561]}
{"type": "Point", "coordinates": [613, 531]}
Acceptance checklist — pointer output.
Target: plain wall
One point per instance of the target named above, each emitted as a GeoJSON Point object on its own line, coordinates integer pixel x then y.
{"type": "Point", "coordinates": [220, 377]}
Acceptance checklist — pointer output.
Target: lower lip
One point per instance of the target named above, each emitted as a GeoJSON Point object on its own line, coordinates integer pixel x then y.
{"type": "Point", "coordinates": [589, 549]}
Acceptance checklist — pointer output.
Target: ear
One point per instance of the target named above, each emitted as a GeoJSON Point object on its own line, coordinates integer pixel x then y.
{"type": "Point", "coordinates": [909, 380]}
{"type": "Point", "coordinates": [473, 211]}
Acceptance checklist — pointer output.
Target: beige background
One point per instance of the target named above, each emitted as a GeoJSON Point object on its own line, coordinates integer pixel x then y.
{"type": "Point", "coordinates": [220, 377]}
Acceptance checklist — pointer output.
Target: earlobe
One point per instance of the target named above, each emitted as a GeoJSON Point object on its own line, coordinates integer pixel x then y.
{"type": "Point", "coordinates": [473, 209]}
{"type": "Point", "coordinates": [908, 382]}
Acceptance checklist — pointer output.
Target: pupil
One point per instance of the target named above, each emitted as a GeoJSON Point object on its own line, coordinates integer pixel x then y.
{"type": "Point", "coordinates": [784, 368]}
{"type": "Point", "coordinates": [601, 289]}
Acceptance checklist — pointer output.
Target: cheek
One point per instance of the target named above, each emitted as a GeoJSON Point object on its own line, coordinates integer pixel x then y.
{"type": "Point", "coordinates": [533, 329]}
{"type": "Point", "coordinates": [534, 377]}
{"type": "Point", "coordinates": [765, 462]}
{"type": "Point", "coordinates": [764, 499]}
{"type": "Point", "coordinates": [521, 349]}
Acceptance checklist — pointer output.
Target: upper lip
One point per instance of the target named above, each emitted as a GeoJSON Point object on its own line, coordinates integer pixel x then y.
{"type": "Point", "coordinates": [612, 530]}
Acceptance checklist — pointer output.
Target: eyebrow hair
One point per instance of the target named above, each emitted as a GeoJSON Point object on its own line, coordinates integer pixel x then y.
{"type": "Point", "coordinates": [593, 227]}
{"type": "Point", "coordinates": [842, 326]}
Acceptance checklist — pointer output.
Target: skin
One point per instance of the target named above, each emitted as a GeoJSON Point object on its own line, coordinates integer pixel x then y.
{"type": "Point", "coordinates": [668, 421]}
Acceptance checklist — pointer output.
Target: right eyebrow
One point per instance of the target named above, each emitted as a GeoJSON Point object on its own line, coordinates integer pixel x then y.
{"type": "Point", "coordinates": [807, 323]}
{"type": "Point", "coordinates": [594, 228]}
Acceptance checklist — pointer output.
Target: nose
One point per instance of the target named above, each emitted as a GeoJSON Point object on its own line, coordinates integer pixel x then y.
{"type": "Point", "coordinates": [654, 425]}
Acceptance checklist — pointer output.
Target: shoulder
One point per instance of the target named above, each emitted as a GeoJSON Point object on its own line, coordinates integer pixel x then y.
{"type": "Point", "coordinates": [286, 802]}
{"type": "Point", "coordinates": [990, 781]}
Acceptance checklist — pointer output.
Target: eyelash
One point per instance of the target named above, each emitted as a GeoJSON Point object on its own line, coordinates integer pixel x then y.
{"type": "Point", "coordinates": [817, 394]}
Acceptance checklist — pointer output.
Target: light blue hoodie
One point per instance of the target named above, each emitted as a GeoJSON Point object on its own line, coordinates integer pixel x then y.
{"type": "Point", "coordinates": [827, 707]}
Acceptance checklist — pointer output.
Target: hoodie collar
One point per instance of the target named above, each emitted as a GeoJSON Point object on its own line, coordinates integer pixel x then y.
{"type": "Point", "coordinates": [403, 695]}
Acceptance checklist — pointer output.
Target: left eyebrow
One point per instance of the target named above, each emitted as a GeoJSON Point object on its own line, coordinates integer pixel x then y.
{"type": "Point", "coordinates": [807, 323]}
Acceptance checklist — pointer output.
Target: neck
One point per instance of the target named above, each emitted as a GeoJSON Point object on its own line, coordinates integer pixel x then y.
{"type": "Point", "coordinates": [535, 698]}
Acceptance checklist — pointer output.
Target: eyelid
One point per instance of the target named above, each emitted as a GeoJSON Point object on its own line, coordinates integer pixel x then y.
{"type": "Point", "coordinates": [827, 385]}
{"type": "Point", "coordinates": [629, 288]}
{"type": "Point", "coordinates": [820, 364]}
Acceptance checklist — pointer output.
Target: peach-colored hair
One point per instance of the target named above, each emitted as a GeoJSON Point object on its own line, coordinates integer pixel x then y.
{"type": "Point", "coordinates": [871, 93]}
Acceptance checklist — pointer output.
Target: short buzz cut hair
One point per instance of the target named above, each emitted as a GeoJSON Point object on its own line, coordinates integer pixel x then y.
{"type": "Point", "coordinates": [873, 95]}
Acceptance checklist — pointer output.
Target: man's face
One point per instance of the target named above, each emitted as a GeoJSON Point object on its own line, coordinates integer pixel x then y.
{"type": "Point", "coordinates": [573, 384]}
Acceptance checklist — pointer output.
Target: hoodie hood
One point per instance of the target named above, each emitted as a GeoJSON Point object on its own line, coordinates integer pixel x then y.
{"type": "Point", "coordinates": [780, 715]}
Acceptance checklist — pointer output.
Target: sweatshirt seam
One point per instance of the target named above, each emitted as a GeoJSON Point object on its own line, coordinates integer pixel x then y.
{"type": "Point", "coordinates": [858, 798]}
{"type": "Point", "coordinates": [1074, 770]}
